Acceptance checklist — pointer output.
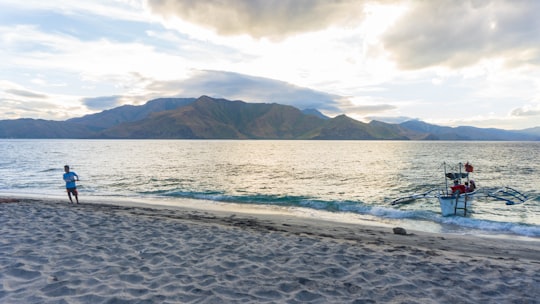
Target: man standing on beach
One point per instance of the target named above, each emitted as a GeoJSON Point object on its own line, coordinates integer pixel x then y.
{"type": "Point", "coordinates": [71, 187]}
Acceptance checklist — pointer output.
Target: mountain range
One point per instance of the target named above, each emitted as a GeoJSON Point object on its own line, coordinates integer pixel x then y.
{"type": "Point", "coordinates": [210, 118]}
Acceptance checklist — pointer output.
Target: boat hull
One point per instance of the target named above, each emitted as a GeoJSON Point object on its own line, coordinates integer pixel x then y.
{"type": "Point", "coordinates": [453, 204]}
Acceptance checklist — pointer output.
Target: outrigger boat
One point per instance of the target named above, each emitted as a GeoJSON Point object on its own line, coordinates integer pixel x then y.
{"type": "Point", "coordinates": [458, 199]}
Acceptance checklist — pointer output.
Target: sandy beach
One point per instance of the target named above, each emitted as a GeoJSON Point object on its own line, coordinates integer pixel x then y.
{"type": "Point", "coordinates": [52, 252]}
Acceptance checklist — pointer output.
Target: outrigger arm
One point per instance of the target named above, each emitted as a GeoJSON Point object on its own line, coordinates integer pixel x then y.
{"type": "Point", "coordinates": [509, 195]}
{"type": "Point", "coordinates": [413, 197]}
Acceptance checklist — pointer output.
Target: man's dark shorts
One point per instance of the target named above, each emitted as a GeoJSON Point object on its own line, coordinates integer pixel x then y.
{"type": "Point", "coordinates": [72, 190]}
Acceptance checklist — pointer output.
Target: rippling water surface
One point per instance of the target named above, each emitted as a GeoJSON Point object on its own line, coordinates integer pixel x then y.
{"type": "Point", "coordinates": [360, 177]}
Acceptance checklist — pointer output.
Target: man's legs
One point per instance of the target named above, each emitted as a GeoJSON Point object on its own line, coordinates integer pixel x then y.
{"type": "Point", "coordinates": [74, 191]}
{"type": "Point", "coordinates": [69, 195]}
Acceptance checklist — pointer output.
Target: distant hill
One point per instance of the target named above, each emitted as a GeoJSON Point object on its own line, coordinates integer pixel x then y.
{"type": "Point", "coordinates": [39, 128]}
{"type": "Point", "coordinates": [342, 127]}
{"type": "Point", "coordinates": [345, 128]}
{"type": "Point", "coordinates": [434, 132]}
{"type": "Point", "coordinates": [531, 131]}
{"type": "Point", "coordinates": [129, 113]}
{"type": "Point", "coordinates": [209, 118]}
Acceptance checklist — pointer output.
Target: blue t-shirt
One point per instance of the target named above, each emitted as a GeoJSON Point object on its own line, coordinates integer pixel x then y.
{"type": "Point", "coordinates": [69, 178]}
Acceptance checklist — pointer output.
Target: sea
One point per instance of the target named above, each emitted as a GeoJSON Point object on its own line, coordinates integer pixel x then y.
{"type": "Point", "coordinates": [350, 181]}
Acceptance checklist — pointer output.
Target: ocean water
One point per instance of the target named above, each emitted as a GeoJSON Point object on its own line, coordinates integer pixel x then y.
{"type": "Point", "coordinates": [346, 178]}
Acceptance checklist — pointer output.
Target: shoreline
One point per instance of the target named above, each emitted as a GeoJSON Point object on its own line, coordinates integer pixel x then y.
{"type": "Point", "coordinates": [445, 227]}
{"type": "Point", "coordinates": [96, 252]}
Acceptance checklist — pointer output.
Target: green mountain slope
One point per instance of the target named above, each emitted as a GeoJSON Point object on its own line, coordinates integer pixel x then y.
{"type": "Point", "coordinates": [220, 119]}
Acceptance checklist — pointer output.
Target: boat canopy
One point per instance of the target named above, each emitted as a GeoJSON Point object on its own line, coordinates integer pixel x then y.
{"type": "Point", "coordinates": [457, 175]}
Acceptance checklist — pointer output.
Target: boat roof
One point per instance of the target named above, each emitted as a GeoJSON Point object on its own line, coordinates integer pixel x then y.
{"type": "Point", "coordinates": [457, 175]}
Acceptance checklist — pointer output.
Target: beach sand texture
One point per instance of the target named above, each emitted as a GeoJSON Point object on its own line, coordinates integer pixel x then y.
{"type": "Point", "coordinates": [52, 252]}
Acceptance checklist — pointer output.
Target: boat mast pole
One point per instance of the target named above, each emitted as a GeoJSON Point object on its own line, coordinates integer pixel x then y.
{"type": "Point", "coordinates": [445, 179]}
{"type": "Point", "coordinates": [468, 173]}
{"type": "Point", "coordinates": [460, 164]}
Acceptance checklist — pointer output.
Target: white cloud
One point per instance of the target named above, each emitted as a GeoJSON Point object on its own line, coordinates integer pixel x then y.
{"type": "Point", "coordinates": [463, 33]}
{"type": "Point", "coordinates": [101, 62]}
{"type": "Point", "coordinates": [358, 57]}
{"type": "Point", "coordinates": [262, 18]}
{"type": "Point", "coordinates": [532, 110]}
{"type": "Point", "coordinates": [236, 86]}
{"type": "Point", "coordinates": [17, 101]}
{"type": "Point", "coordinates": [25, 93]}
{"type": "Point", "coordinates": [101, 103]}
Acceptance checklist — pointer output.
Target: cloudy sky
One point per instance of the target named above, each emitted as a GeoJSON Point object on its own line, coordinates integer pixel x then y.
{"type": "Point", "coordinates": [448, 62]}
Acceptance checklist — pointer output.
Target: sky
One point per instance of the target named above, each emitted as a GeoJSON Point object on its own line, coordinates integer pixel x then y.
{"type": "Point", "coordinates": [446, 62]}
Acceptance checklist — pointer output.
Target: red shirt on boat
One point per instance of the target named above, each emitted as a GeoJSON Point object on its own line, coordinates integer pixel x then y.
{"type": "Point", "coordinates": [460, 188]}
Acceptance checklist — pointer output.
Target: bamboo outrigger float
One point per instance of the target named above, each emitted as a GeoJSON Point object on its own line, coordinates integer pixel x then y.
{"type": "Point", "coordinates": [458, 198]}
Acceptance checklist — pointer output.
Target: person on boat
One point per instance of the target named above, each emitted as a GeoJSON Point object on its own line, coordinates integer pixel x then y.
{"type": "Point", "coordinates": [458, 188]}
{"type": "Point", "coordinates": [70, 178]}
{"type": "Point", "coordinates": [472, 186]}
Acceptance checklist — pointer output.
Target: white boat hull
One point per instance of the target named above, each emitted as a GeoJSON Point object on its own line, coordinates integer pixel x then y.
{"type": "Point", "coordinates": [448, 204]}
